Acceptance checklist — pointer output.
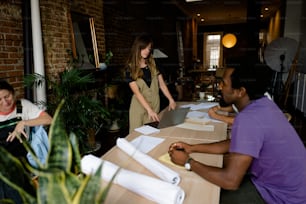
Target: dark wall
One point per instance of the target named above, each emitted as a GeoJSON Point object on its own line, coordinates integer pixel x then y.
{"type": "Point", "coordinates": [242, 45]}
{"type": "Point", "coordinates": [124, 20]}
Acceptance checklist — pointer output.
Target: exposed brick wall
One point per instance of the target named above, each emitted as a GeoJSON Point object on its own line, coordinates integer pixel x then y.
{"type": "Point", "coordinates": [56, 34]}
{"type": "Point", "coordinates": [116, 32]}
{"type": "Point", "coordinates": [11, 44]}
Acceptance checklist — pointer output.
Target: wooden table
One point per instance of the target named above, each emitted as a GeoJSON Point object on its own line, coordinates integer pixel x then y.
{"type": "Point", "coordinates": [197, 189]}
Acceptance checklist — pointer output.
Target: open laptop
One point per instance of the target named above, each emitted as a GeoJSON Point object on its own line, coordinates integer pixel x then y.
{"type": "Point", "coordinates": [171, 118]}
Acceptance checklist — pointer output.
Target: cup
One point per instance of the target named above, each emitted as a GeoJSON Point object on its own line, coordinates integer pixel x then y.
{"type": "Point", "coordinates": [202, 95]}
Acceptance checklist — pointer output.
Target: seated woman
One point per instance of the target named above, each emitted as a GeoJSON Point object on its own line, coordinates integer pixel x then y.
{"type": "Point", "coordinates": [30, 116]}
{"type": "Point", "coordinates": [24, 114]}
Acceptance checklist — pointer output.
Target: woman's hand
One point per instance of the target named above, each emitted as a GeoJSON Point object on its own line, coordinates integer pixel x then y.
{"type": "Point", "coordinates": [153, 116]}
{"type": "Point", "coordinates": [172, 105]}
{"type": "Point", "coordinates": [19, 130]}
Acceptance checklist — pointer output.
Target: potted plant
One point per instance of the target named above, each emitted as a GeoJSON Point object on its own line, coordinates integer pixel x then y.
{"type": "Point", "coordinates": [106, 62]}
{"type": "Point", "coordinates": [59, 179]}
{"type": "Point", "coordinates": [83, 114]}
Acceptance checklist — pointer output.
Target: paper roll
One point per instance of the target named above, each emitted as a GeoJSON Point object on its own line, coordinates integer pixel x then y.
{"type": "Point", "coordinates": [151, 188]}
{"type": "Point", "coordinates": [151, 164]}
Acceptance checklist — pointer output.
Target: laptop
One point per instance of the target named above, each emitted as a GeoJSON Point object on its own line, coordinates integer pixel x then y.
{"type": "Point", "coordinates": [171, 118]}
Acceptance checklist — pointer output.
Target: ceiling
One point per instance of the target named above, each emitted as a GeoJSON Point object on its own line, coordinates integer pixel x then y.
{"type": "Point", "coordinates": [216, 12]}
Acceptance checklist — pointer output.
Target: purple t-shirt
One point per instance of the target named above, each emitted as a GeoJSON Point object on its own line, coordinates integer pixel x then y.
{"type": "Point", "coordinates": [279, 157]}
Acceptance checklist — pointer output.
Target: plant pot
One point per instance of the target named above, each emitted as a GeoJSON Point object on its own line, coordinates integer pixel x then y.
{"type": "Point", "coordinates": [114, 127]}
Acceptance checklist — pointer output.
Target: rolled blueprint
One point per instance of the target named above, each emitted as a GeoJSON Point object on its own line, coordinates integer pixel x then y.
{"type": "Point", "coordinates": [151, 188]}
{"type": "Point", "coordinates": [150, 163]}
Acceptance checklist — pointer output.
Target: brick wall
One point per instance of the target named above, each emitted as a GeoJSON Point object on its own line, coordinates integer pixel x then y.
{"type": "Point", "coordinates": [125, 19]}
{"type": "Point", "coordinates": [56, 34]}
{"type": "Point", "coordinates": [116, 25]}
{"type": "Point", "coordinates": [11, 42]}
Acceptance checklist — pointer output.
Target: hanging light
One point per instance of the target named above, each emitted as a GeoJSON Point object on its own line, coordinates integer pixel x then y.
{"type": "Point", "coordinates": [229, 40]}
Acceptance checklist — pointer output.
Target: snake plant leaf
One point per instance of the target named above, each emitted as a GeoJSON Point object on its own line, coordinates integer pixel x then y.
{"type": "Point", "coordinates": [58, 180]}
{"type": "Point", "coordinates": [91, 190]}
{"type": "Point", "coordinates": [29, 149]}
{"type": "Point", "coordinates": [52, 189]}
{"type": "Point", "coordinates": [76, 163]}
{"type": "Point", "coordinates": [60, 153]}
{"type": "Point", "coordinates": [13, 173]}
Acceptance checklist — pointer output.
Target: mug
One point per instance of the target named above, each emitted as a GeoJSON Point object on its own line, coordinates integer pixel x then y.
{"type": "Point", "coordinates": [202, 95]}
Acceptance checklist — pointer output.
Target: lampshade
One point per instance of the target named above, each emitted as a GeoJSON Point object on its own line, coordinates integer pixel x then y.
{"type": "Point", "coordinates": [157, 53]}
{"type": "Point", "coordinates": [229, 40]}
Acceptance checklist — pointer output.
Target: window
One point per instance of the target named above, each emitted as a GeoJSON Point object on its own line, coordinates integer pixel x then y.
{"type": "Point", "coordinates": [212, 52]}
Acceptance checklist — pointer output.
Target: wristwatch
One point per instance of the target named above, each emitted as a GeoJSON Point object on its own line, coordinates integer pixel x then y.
{"type": "Point", "coordinates": [187, 164]}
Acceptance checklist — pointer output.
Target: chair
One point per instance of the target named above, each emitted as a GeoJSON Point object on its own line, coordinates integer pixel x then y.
{"type": "Point", "coordinates": [288, 116]}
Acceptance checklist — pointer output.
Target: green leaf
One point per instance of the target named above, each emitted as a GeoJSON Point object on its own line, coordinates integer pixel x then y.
{"type": "Point", "coordinates": [52, 188]}
{"type": "Point", "coordinates": [13, 173]}
{"type": "Point", "coordinates": [60, 153]}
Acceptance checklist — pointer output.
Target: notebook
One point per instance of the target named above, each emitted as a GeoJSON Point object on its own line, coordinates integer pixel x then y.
{"type": "Point", "coordinates": [171, 118]}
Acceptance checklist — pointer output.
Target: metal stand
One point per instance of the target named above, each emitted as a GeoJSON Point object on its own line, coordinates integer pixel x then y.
{"type": "Point", "coordinates": [278, 86]}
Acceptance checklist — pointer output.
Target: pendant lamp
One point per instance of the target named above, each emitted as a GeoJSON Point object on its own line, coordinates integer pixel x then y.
{"type": "Point", "coordinates": [229, 40]}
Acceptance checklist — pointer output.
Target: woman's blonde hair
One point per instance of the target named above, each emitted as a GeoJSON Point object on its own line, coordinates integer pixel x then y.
{"type": "Point", "coordinates": [140, 43]}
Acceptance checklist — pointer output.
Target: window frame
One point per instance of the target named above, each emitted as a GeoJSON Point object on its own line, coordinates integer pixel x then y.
{"type": "Point", "coordinates": [206, 61]}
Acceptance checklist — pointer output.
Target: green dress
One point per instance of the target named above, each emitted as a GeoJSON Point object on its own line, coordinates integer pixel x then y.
{"type": "Point", "coordinates": [138, 116]}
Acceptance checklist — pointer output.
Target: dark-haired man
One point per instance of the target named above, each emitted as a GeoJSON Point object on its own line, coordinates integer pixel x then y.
{"type": "Point", "coordinates": [266, 160]}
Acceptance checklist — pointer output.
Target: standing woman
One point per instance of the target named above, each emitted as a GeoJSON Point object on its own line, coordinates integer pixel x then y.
{"type": "Point", "coordinates": [145, 80]}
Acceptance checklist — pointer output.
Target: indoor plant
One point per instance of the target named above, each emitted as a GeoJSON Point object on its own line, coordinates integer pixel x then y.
{"type": "Point", "coordinates": [82, 113]}
{"type": "Point", "coordinates": [59, 180]}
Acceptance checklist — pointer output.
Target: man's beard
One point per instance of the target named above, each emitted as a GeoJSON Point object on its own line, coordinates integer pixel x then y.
{"type": "Point", "coordinates": [222, 102]}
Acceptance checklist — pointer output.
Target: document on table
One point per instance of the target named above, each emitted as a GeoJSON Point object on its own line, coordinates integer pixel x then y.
{"type": "Point", "coordinates": [200, 105]}
{"type": "Point", "coordinates": [145, 143]}
{"type": "Point", "coordinates": [198, 127]}
{"type": "Point", "coordinates": [200, 116]}
{"type": "Point", "coordinates": [197, 114]}
{"type": "Point", "coordinates": [147, 129]}
{"type": "Point", "coordinates": [166, 158]}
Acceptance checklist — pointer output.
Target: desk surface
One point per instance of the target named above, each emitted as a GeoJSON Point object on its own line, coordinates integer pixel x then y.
{"type": "Point", "coordinates": [197, 189]}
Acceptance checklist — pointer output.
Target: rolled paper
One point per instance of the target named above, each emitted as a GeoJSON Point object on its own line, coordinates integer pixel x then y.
{"type": "Point", "coordinates": [151, 188]}
{"type": "Point", "coordinates": [154, 166]}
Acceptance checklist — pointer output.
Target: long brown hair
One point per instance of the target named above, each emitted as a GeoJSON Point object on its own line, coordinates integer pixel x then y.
{"type": "Point", "coordinates": [140, 42]}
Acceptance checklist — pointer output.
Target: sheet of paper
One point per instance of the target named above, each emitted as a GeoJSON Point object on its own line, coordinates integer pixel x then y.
{"type": "Point", "coordinates": [200, 121]}
{"type": "Point", "coordinates": [166, 158]}
{"type": "Point", "coordinates": [196, 114]}
{"type": "Point", "coordinates": [201, 115]}
{"type": "Point", "coordinates": [147, 129]}
{"type": "Point", "coordinates": [146, 143]}
{"type": "Point", "coordinates": [199, 106]}
{"type": "Point", "coordinates": [196, 127]}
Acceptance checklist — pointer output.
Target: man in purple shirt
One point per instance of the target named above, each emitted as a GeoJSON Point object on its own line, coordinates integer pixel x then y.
{"type": "Point", "coordinates": [265, 158]}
